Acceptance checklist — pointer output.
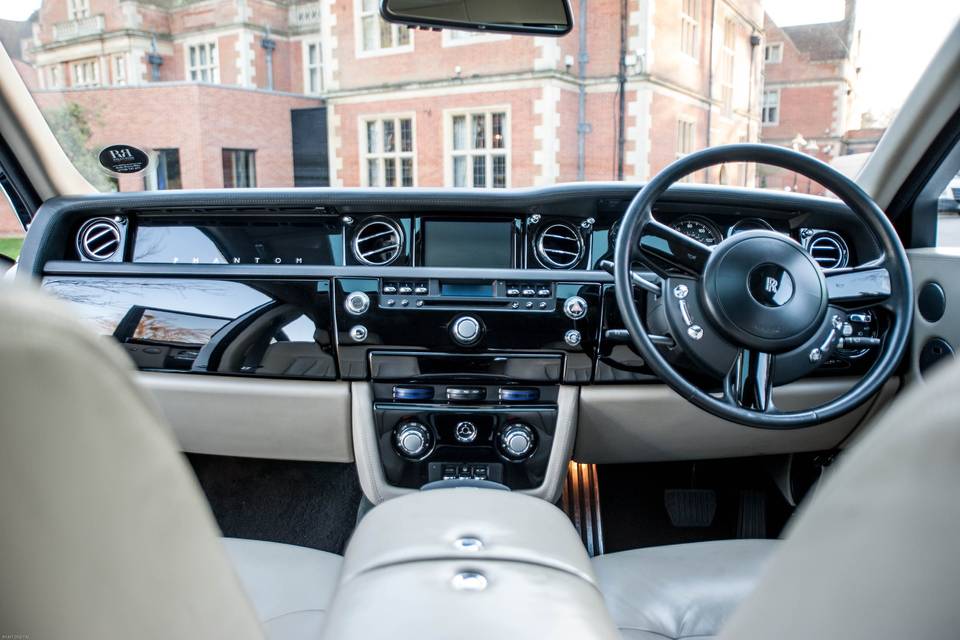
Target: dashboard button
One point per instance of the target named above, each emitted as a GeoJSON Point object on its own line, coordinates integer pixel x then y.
{"type": "Point", "coordinates": [389, 289]}
{"type": "Point", "coordinates": [529, 292]}
{"type": "Point", "coordinates": [572, 338]}
{"type": "Point", "coordinates": [575, 307]}
{"type": "Point", "coordinates": [465, 432]}
{"type": "Point", "coordinates": [405, 290]}
{"type": "Point", "coordinates": [358, 333]}
{"type": "Point", "coordinates": [513, 292]}
{"type": "Point", "coordinates": [543, 293]}
{"type": "Point", "coordinates": [420, 291]}
{"type": "Point", "coordinates": [466, 394]}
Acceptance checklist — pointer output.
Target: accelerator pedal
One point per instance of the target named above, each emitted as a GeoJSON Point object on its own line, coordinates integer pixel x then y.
{"type": "Point", "coordinates": [690, 507]}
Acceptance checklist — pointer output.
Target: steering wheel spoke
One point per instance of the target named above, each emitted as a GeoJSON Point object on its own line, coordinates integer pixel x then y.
{"type": "Point", "coordinates": [749, 385]}
{"type": "Point", "coordinates": [860, 286]}
{"type": "Point", "coordinates": [660, 244]}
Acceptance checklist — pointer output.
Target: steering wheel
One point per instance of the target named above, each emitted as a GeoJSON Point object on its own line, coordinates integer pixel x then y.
{"type": "Point", "coordinates": [756, 311]}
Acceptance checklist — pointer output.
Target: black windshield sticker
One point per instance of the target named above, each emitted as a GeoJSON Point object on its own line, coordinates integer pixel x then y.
{"type": "Point", "coordinates": [122, 159]}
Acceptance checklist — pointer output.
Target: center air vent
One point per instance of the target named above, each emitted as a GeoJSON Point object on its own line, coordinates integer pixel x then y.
{"type": "Point", "coordinates": [99, 239]}
{"type": "Point", "coordinates": [828, 250]}
{"type": "Point", "coordinates": [559, 246]}
{"type": "Point", "coordinates": [377, 242]}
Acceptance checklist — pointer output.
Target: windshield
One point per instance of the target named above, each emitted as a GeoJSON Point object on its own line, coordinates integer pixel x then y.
{"type": "Point", "coordinates": [290, 93]}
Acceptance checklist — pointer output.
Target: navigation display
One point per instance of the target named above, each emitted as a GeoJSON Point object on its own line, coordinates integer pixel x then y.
{"type": "Point", "coordinates": [466, 243]}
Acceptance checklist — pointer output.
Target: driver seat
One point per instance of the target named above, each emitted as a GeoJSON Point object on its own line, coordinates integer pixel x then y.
{"type": "Point", "coordinates": [872, 554]}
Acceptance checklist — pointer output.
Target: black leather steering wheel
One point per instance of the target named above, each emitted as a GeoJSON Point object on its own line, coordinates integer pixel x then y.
{"type": "Point", "coordinates": [756, 311]}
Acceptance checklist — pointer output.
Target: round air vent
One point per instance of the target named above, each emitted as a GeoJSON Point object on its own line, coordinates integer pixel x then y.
{"type": "Point", "coordinates": [828, 249]}
{"type": "Point", "coordinates": [377, 242]}
{"type": "Point", "coordinates": [559, 246]}
{"type": "Point", "coordinates": [99, 239]}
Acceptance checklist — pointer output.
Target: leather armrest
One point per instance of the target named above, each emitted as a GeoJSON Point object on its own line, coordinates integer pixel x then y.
{"type": "Point", "coordinates": [427, 525]}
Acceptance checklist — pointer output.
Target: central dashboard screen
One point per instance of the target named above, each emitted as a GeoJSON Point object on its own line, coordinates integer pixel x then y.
{"type": "Point", "coordinates": [468, 243]}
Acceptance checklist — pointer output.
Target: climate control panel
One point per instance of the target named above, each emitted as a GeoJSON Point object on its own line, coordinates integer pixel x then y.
{"type": "Point", "coordinates": [485, 438]}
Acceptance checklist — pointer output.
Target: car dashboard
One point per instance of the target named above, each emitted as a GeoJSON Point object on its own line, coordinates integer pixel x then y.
{"type": "Point", "coordinates": [464, 313]}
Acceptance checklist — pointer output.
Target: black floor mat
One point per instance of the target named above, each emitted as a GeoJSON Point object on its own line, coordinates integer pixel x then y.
{"type": "Point", "coordinates": [634, 512]}
{"type": "Point", "coordinates": [310, 504]}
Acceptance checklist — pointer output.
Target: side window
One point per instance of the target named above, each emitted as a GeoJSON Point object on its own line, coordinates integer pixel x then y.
{"type": "Point", "coordinates": [948, 223]}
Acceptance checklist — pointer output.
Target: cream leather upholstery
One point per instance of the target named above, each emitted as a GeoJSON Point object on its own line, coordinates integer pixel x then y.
{"type": "Point", "coordinates": [291, 587]}
{"type": "Point", "coordinates": [398, 578]}
{"type": "Point", "coordinates": [680, 591]}
{"type": "Point", "coordinates": [875, 553]}
{"type": "Point", "coordinates": [104, 532]}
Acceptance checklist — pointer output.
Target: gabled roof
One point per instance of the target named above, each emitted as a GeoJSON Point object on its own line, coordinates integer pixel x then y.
{"type": "Point", "coordinates": [823, 41]}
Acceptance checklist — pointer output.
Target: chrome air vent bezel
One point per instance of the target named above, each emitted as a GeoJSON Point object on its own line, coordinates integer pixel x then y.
{"type": "Point", "coordinates": [370, 230]}
{"type": "Point", "coordinates": [99, 239]}
{"type": "Point", "coordinates": [821, 241]}
{"type": "Point", "coordinates": [553, 257]}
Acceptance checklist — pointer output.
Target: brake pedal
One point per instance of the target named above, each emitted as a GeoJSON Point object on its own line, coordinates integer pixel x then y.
{"type": "Point", "coordinates": [690, 507]}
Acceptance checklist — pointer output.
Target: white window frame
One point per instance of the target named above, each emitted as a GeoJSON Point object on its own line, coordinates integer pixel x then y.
{"type": "Point", "coordinates": [686, 140]}
{"type": "Point", "coordinates": [487, 152]}
{"type": "Point", "coordinates": [358, 17]}
{"type": "Point", "coordinates": [728, 61]}
{"type": "Point", "coordinates": [55, 76]}
{"type": "Point", "coordinates": [212, 51]}
{"type": "Point", "coordinates": [85, 73]}
{"type": "Point", "coordinates": [78, 9]}
{"type": "Point", "coordinates": [461, 38]}
{"type": "Point", "coordinates": [690, 27]}
{"type": "Point", "coordinates": [316, 68]}
{"type": "Point", "coordinates": [764, 119]}
{"type": "Point", "coordinates": [773, 53]}
{"type": "Point", "coordinates": [379, 155]}
{"type": "Point", "coordinates": [119, 70]}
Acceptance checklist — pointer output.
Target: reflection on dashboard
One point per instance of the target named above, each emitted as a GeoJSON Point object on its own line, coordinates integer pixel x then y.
{"type": "Point", "coordinates": [265, 328]}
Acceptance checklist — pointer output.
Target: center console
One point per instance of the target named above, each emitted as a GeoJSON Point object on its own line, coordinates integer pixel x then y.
{"type": "Point", "coordinates": [467, 553]}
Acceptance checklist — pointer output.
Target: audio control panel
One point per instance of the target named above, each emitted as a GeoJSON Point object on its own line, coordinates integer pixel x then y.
{"type": "Point", "coordinates": [472, 294]}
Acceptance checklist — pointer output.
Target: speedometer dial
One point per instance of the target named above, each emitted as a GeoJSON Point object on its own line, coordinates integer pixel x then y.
{"type": "Point", "coordinates": [700, 229]}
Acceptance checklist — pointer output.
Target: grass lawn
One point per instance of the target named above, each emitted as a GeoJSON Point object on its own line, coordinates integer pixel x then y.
{"type": "Point", "coordinates": [11, 246]}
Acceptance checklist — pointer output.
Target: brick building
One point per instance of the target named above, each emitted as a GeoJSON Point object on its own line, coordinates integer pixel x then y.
{"type": "Point", "coordinates": [277, 93]}
{"type": "Point", "coordinates": [809, 99]}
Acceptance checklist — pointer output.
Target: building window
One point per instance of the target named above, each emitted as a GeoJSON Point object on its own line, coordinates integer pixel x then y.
{"type": "Point", "coordinates": [728, 62]}
{"type": "Point", "coordinates": [202, 63]}
{"type": "Point", "coordinates": [239, 168]}
{"type": "Point", "coordinates": [457, 37]}
{"type": "Point", "coordinates": [388, 152]}
{"type": "Point", "coordinates": [773, 53]}
{"type": "Point", "coordinates": [770, 108]}
{"type": "Point", "coordinates": [54, 77]}
{"type": "Point", "coordinates": [378, 34]}
{"type": "Point", "coordinates": [313, 80]}
{"type": "Point", "coordinates": [78, 9]}
{"type": "Point", "coordinates": [690, 27]}
{"type": "Point", "coordinates": [119, 69]}
{"type": "Point", "coordinates": [686, 136]}
{"type": "Point", "coordinates": [479, 149]}
{"type": "Point", "coordinates": [167, 173]}
{"type": "Point", "coordinates": [86, 73]}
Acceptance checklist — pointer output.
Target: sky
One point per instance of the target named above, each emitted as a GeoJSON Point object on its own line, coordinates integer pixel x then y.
{"type": "Point", "coordinates": [899, 37]}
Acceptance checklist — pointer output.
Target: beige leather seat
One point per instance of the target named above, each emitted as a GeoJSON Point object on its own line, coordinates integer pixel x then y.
{"type": "Point", "coordinates": [872, 555]}
{"type": "Point", "coordinates": [680, 591]}
{"type": "Point", "coordinates": [104, 532]}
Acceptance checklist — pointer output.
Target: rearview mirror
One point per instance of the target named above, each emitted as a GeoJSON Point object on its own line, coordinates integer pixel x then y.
{"type": "Point", "coordinates": [538, 17]}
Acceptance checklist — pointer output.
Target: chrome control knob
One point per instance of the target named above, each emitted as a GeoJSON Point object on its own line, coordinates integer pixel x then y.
{"type": "Point", "coordinates": [357, 303]}
{"type": "Point", "coordinates": [465, 330]}
{"type": "Point", "coordinates": [412, 440]}
{"type": "Point", "coordinates": [516, 441]}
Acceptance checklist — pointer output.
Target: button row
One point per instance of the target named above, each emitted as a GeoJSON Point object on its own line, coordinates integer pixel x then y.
{"type": "Point", "coordinates": [405, 288]}
{"type": "Point", "coordinates": [526, 290]}
{"type": "Point", "coordinates": [465, 471]}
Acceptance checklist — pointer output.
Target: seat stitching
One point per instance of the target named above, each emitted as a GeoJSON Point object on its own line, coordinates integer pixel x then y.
{"type": "Point", "coordinates": [290, 613]}
{"type": "Point", "coordinates": [664, 635]}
